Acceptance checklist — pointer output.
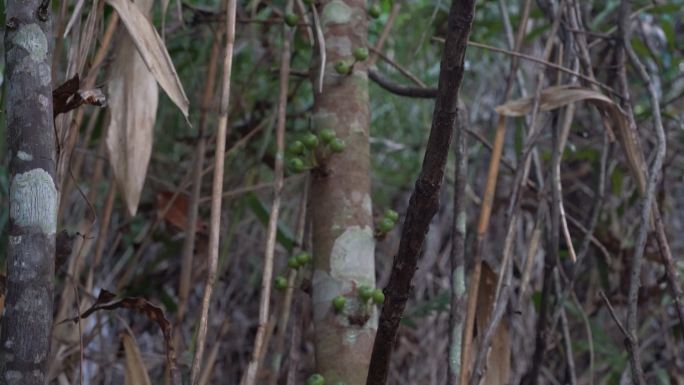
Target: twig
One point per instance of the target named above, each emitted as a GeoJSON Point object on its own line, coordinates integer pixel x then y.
{"type": "Point", "coordinates": [539, 61]}
{"type": "Point", "coordinates": [188, 252]}
{"type": "Point", "coordinates": [567, 339]}
{"type": "Point", "coordinates": [423, 203]}
{"type": "Point", "coordinates": [613, 315]}
{"type": "Point", "coordinates": [259, 340]}
{"type": "Point", "coordinates": [386, 29]}
{"type": "Point", "coordinates": [398, 67]}
{"type": "Point", "coordinates": [399, 89]}
{"type": "Point", "coordinates": [217, 189]}
{"type": "Point", "coordinates": [648, 200]}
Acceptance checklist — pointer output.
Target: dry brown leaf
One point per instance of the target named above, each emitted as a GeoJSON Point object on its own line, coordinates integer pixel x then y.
{"type": "Point", "coordinates": [152, 49]}
{"type": "Point", "coordinates": [133, 99]}
{"type": "Point", "coordinates": [559, 96]}
{"type": "Point", "coordinates": [136, 373]}
{"type": "Point", "coordinates": [499, 358]}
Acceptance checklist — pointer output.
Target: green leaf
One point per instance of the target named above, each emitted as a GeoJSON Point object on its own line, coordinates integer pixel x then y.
{"type": "Point", "coordinates": [284, 235]}
{"type": "Point", "coordinates": [616, 181]}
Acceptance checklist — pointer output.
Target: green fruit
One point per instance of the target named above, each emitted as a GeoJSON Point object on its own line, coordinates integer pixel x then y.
{"type": "Point", "coordinates": [327, 135]}
{"type": "Point", "coordinates": [386, 225]}
{"type": "Point", "coordinates": [361, 53]}
{"type": "Point", "coordinates": [291, 19]}
{"type": "Point", "coordinates": [338, 303]}
{"type": "Point", "coordinates": [342, 68]}
{"type": "Point", "coordinates": [303, 258]}
{"type": "Point", "coordinates": [310, 140]}
{"type": "Point", "coordinates": [296, 148]}
{"type": "Point", "coordinates": [315, 379]}
{"type": "Point", "coordinates": [281, 282]}
{"type": "Point", "coordinates": [378, 296]}
{"type": "Point", "coordinates": [374, 11]}
{"type": "Point", "coordinates": [337, 145]}
{"type": "Point", "coordinates": [365, 293]}
{"type": "Point", "coordinates": [293, 263]}
{"type": "Point", "coordinates": [391, 214]}
{"type": "Point", "coordinates": [297, 165]}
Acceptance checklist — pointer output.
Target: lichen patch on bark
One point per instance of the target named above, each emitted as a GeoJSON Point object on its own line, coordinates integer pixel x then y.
{"type": "Point", "coordinates": [352, 255]}
{"type": "Point", "coordinates": [34, 200]}
{"type": "Point", "coordinates": [25, 156]}
{"type": "Point", "coordinates": [32, 39]}
{"type": "Point", "coordinates": [336, 12]}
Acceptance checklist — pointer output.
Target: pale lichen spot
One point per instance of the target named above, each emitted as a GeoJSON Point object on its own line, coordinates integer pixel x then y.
{"type": "Point", "coordinates": [13, 376]}
{"type": "Point", "coordinates": [352, 256]}
{"type": "Point", "coordinates": [32, 39]}
{"type": "Point", "coordinates": [367, 204]}
{"type": "Point", "coordinates": [25, 156]}
{"type": "Point", "coordinates": [33, 200]}
{"type": "Point", "coordinates": [461, 223]}
{"type": "Point", "coordinates": [44, 102]}
{"type": "Point", "coordinates": [350, 337]}
{"type": "Point", "coordinates": [336, 12]}
{"type": "Point", "coordinates": [14, 240]}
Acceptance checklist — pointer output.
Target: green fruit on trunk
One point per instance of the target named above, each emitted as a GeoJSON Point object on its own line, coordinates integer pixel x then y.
{"type": "Point", "coordinates": [303, 258]}
{"type": "Point", "coordinates": [310, 141]}
{"type": "Point", "coordinates": [391, 214]}
{"type": "Point", "coordinates": [386, 225]}
{"type": "Point", "coordinates": [327, 135]}
{"type": "Point", "coordinates": [293, 263]}
{"type": "Point", "coordinates": [297, 165]}
{"type": "Point", "coordinates": [281, 282]}
{"type": "Point", "coordinates": [315, 379]}
{"type": "Point", "coordinates": [342, 68]}
{"type": "Point", "coordinates": [337, 145]}
{"type": "Point", "coordinates": [338, 303]}
{"type": "Point", "coordinates": [374, 11]}
{"type": "Point", "coordinates": [296, 148]}
{"type": "Point", "coordinates": [291, 19]}
{"type": "Point", "coordinates": [365, 293]}
{"type": "Point", "coordinates": [378, 296]}
{"type": "Point", "coordinates": [361, 53]}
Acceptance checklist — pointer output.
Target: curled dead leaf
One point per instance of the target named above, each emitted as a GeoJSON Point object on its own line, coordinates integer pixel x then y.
{"type": "Point", "coordinates": [152, 50]}
{"type": "Point", "coordinates": [133, 99]}
{"type": "Point", "coordinates": [136, 372]}
{"type": "Point", "coordinates": [560, 96]}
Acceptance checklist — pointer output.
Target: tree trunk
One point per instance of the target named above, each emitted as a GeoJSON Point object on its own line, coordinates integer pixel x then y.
{"type": "Point", "coordinates": [340, 201]}
{"type": "Point", "coordinates": [33, 203]}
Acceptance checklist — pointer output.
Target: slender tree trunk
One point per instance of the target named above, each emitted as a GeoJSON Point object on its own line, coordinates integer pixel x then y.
{"type": "Point", "coordinates": [27, 321]}
{"type": "Point", "coordinates": [340, 201]}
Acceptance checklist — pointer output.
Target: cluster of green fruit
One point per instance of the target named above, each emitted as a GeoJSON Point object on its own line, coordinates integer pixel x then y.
{"type": "Point", "coordinates": [317, 379]}
{"type": "Point", "coordinates": [388, 221]}
{"type": "Point", "coordinates": [366, 295]}
{"type": "Point", "coordinates": [303, 150]}
{"type": "Point", "coordinates": [344, 67]}
{"type": "Point", "coordinates": [294, 262]}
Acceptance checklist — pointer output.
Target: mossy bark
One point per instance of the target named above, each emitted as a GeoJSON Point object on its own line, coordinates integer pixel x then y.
{"type": "Point", "coordinates": [340, 201]}
{"type": "Point", "coordinates": [27, 319]}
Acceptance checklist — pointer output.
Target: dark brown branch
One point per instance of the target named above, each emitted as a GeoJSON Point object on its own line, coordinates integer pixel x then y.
{"type": "Point", "coordinates": [424, 200]}
{"type": "Point", "coordinates": [399, 89]}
